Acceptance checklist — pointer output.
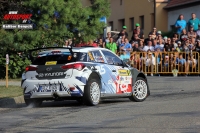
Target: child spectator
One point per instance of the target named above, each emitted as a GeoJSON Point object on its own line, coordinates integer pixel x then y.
{"type": "Point", "coordinates": [183, 36]}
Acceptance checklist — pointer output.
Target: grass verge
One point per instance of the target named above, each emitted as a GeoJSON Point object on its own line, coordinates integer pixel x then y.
{"type": "Point", "coordinates": [11, 91]}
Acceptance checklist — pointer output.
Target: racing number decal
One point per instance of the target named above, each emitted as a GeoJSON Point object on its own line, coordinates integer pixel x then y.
{"type": "Point", "coordinates": [101, 69]}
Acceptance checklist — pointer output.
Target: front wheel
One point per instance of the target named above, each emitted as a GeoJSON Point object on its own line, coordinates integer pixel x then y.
{"type": "Point", "coordinates": [92, 92]}
{"type": "Point", "coordinates": [140, 90]}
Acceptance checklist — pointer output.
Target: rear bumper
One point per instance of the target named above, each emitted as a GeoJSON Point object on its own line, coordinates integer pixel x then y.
{"type": "Point", "coordinates": [50, 95]}
{"type": "Point", "coordinates": [32, 88]}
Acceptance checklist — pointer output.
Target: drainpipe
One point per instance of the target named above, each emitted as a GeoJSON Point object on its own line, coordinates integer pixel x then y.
{"type": "Point", "coordinates": [154, 13]}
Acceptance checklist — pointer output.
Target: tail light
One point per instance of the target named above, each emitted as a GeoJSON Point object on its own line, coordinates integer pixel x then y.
{"type": "Point", "coordinates": [30, 68]}
{"type": "Point", "coordinates": [78, 66]}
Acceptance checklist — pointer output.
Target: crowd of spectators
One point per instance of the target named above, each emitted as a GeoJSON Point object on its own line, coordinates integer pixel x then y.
{"type": "Point", "coordinates": [180, 47]}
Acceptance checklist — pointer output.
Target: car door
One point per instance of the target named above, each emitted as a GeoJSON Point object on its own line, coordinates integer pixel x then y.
{"type": "Point", "coordinates": [120, 77]}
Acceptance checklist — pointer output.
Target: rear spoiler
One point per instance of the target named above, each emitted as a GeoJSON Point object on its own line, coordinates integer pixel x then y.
{"type": "Point", "coordinates": [30, 56]}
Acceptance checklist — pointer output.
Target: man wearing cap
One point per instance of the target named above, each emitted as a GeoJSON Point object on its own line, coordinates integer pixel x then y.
{"type": "Point", "coordinates": [194, 22]}
{"type": "Point", "coordinates": [123, 31]}
{"type": "Point", "coordinates": [138, 31]}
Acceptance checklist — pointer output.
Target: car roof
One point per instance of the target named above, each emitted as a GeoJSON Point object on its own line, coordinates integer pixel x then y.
{"type": "Point", "coordinates": [75, 49]}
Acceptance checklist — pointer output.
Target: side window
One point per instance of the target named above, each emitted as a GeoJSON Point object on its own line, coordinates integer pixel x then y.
{"type": "Point", "coordinates": [112, 59]}
{"type": "Point", "coordinates": [95, 56]}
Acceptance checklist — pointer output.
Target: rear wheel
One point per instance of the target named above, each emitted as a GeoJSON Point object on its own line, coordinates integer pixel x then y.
{"type": "Point", "coordinates": [140, 90]}
{"type": "Point", "coordinates": [92, 92]}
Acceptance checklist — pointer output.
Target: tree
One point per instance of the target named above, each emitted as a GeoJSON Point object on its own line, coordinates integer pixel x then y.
{"type": "Point", "coordinates": [53, 20]}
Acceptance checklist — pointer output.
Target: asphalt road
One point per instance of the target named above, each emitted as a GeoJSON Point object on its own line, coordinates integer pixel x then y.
{"type": "Point", "coordinates": [173, 107]}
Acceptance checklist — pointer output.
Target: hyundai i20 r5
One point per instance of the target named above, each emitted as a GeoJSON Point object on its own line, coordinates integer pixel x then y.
{"type": "Point", "coordinates": [85, 74]}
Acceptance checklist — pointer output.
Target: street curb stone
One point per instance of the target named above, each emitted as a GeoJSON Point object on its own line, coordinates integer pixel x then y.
{"type": "Point", "coordinates": [11, 102]}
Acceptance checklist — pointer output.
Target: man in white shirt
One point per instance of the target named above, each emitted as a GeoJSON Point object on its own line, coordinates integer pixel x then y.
{"type": "Point", "coordinates": [149, 47]}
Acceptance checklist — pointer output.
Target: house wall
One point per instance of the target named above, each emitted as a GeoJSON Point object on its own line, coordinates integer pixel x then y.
{"type": "Point", "coordinates": [173, 14]}
{"type": "Point", "coordinates": [161, 16]}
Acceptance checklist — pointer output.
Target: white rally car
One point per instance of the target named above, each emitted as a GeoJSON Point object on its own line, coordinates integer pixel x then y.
{"type": "Point", "coordinates": [85, 74]}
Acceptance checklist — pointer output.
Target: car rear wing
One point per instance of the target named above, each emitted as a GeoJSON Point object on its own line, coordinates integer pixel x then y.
{"type": "Point", "coordinates": [30, 52]}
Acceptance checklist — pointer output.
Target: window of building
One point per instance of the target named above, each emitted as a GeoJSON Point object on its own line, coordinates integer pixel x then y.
{"type": "Point", "coordinates": [111, 24]}
{"type": "Point", "coordinates": [120, 2]}
{"type": "Point", "coordinates": [142, 22]}
{"type": "Point", "coordinates": [131, 23]}
{"type": "Point", "coordinates": [121, 23]}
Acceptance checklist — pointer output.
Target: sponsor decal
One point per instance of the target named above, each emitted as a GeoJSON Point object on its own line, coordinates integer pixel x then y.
{"type": "Point", "coordinates": [51, 63]}
{"type": "Point", "coordinates": [124, 72]}
{"type": "Point", "coordinates": [41, 75]}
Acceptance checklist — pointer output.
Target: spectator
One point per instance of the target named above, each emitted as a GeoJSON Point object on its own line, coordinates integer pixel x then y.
{"type": "Point", "coordinates": [194, 22]}
{"type": "Point", "coordinates": [159, 35]}
{"type": "Point", "coordinates": [136, 47]}
{"type": "Point", "coordinates": [112, 45]}
{"type": "Point", "coordinates": [150, 63]}
{"type": "Point", "coordinates": [136, 38]}
{"type": "Point", "coordinates": [148, 39]}
{"type": "Point", "coordinates": [165, 39]}
{"type": "Point", "coordinates": [198, 33]}
{"type": "Point", "coordinates": [107, 38]}
{"type": "Point", "coordinates": [179, 48]}
{"type": "Point", "coordinates": [140, 34]}
{"type": "Point", "coordinates": [174, 43]}
{"type": "Point", "coordinates": [159, 45]}
{"type": "Point", "coordinates": [191, 32]}
{"type": "Point", "coordinates": [135, 31]}
{"type": "Point", "coordinates": [180, 24]}
{"type": "Point", "coordinates": [124, 55]}
{"type": "Point", "coordinates": [66, 43]}
{"type": "Point", "coordinates": [154, 32]}
{"type": "Point", "coordinates": [197, 48]}
{"type": "Point", "coordinates": [176, 37]}
{"type": "Point", "coordinates": [120, 39]}
{"type": "Point", "coordinates": [148, 47]}
{"type": "Point", "coordinates": [154, 42]}
{"type": "Point", "coordinates": [183, 36]}
{"type": "Point", "coordinates": [126, 46]}
{"type": "Point", "coordinates": [191, 63]}
{"type": "Point", "coordinates": [123, 31]}
{"type": "Point", "coordinates": [141, 46]}
{"type": "Point", "coordinates": [92, 43]}
{"type": "Point", "coordinates": [168, 47]}
{"type": "Point", "coordinates": [100, 43]}
{"type": "Point", "coordinates": [181, 61]}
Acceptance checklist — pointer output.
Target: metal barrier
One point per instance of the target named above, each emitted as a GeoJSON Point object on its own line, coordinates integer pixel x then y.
{"type": "Point", "coordinates": [175, 63]}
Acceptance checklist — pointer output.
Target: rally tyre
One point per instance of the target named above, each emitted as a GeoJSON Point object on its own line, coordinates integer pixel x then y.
{"type": "Point", "coordinates": [140, 90]}
{"type": "Point", "coordinates": [33, 102]}
{"type": "Point", "coordinates": [92, 92]}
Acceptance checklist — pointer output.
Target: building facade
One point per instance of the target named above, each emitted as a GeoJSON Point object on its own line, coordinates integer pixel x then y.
{"type": "Point", "coordinates": [148, 13]}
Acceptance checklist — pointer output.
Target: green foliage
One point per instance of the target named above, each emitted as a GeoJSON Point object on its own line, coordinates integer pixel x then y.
{"type": "Point", "coordinates": [74, 19]}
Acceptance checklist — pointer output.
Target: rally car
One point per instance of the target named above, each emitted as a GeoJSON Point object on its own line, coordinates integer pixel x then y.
{"type": "Point", "coordinates": [85, 74]}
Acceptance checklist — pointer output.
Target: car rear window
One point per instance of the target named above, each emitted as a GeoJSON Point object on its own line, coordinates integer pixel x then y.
{"type": "Point", "coordinates": [59, 58]}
